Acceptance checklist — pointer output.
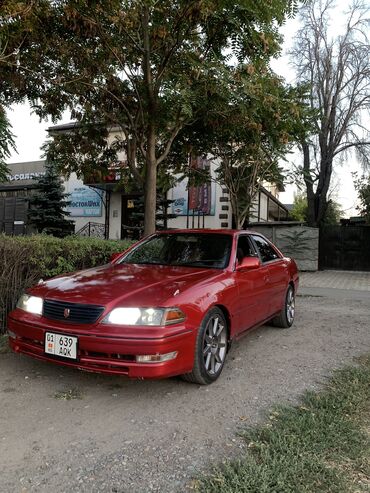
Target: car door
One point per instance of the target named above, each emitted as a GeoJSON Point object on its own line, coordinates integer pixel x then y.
{"type": "Point", "coordinates": [251, 286]}
{"type": "Point", "coordinates": [277, 277]}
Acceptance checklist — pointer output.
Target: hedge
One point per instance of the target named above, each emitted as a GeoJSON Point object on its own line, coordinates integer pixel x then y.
{"type": "Point", "coordinates": [27, 259]}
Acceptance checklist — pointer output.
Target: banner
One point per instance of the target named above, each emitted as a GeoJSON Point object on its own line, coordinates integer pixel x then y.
{"type": "Point", "coordinates": [196, 199]}
{"type": "Point", "coordinates": [84, 202]}
{"type": "Point", "coordinates": [200, 196]}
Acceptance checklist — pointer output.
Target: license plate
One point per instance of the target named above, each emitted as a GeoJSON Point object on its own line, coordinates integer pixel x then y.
{"type": "Point", "coordinates": [61, 345]}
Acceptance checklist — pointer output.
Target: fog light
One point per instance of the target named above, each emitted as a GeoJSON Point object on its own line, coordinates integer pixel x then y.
{"type": "Point", "coordinates": [12, 334]}
{"type": "Point", "coordinates": [155, 358]}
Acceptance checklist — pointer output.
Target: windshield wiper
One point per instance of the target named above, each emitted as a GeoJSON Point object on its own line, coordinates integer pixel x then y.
{"type": "Point", "coordinates": [201, 263]}
{"type": "Point", "coordinates": [144, 263]}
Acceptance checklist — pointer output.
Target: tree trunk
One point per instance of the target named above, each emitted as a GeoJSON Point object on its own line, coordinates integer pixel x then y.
{"type": "Point", "coordinates": [326, 168]}
{"type": "Point", "coordinates": [150, 194]}
{"type": "Point", "coordinates": [165, 210]}
{"type": "Point", "coordinates": [244, 217]}
{"type": "Point", "coordinates": [234, 210]}
{"type": "Point", "coordinates": [131, 147]}
{"type": "Point", "coordinates": [250, 197]}
{"type": "Point", "coordinates": [311, 198]}
{"type": "Point", "coordinates": [317, 203]}
{"type": "Point", "coordinates": [150, 186]}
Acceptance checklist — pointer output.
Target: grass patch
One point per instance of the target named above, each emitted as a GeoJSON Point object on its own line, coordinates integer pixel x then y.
{"type": "Point", "coordinates": [320, 445]}
{"type": "Point", "coordinates": [4, 344]}
{"type": "Point", "coordinates": [68, 395]}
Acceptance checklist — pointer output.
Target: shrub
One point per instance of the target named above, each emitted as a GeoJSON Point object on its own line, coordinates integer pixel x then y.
{"type": "Point", "coordinates": [27, 259]}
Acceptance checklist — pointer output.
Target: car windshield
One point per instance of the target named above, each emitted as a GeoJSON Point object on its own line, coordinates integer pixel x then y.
{"type": "Point", "coordinates": [185, 249]}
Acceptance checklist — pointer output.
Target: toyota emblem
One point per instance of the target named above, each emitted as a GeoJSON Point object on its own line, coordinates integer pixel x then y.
{"type": "Point", "coordinates": [66, 312]}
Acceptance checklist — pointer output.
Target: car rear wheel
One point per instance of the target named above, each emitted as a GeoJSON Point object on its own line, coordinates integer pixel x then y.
{"type": "Point", "coordinates": [210, 349]}
{"type": "Point", "coordinates": [286, 317]}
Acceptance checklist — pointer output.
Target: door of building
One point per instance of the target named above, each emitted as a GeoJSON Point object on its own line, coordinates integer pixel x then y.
{"type": "Point", "coordinates": [132, 217]}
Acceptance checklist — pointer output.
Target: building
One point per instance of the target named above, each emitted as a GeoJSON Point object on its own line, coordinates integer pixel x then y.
{"type": "Point", "coordinates": [14, 195]}
{"type": "Point", "coordinates": [101, 207]}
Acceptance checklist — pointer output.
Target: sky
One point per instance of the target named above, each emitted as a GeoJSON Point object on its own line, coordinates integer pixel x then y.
{"type": "Point", "coordinates": [30, 134]}
{"type": "Point", "coordinates": [342, 189]}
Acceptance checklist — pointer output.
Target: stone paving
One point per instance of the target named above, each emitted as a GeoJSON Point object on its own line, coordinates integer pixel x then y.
{"type": "Point", "coordinates": [359, 281]}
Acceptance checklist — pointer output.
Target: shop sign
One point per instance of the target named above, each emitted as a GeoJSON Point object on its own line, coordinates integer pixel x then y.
{"type": "Point", "coordinates": [84, 202]}
{"type": "Point", "coordinates": [25, 176]}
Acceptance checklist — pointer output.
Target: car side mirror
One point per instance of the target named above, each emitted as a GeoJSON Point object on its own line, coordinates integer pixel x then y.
{"type": "Point", "coordinates": [249, 263]}
{"type": "Point", "coordinates": [114, 256]}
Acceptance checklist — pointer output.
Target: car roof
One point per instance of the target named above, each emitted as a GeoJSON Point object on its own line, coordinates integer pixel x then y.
{"type": "Point", "coordinates": [208, 230]}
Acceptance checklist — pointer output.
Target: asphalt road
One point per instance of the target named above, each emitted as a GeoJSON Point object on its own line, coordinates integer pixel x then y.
{"type": "Point", "coordinates": [121, 436]}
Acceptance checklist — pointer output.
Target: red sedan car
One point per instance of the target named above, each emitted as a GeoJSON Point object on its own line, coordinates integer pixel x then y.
{"type": "Point", "coordinates": [170, 305]}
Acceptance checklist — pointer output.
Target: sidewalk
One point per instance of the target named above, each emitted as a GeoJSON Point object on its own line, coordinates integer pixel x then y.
{"type": "Point", "coordinates": [335, 284]}
{"type": "Point", "coordinates": [336, 279]}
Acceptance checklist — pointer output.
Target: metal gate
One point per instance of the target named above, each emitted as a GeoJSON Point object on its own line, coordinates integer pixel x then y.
{"type": "Point", "coordinates": [344, 248]}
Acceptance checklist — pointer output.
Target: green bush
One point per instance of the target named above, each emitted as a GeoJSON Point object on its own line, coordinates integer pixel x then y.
{"type": "Point", "coordinates": [27, 259]}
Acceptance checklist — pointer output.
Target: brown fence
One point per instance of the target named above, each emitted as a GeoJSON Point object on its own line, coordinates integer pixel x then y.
{"type": "Point", "coordinates": [345, 248]}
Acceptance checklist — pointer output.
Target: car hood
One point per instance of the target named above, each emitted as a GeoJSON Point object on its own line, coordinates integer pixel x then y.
{"type": "Point", "coordinates": [129, 284]}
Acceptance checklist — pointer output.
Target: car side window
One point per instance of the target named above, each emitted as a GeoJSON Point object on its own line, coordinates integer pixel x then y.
{"type": "Point", "coordinates": [265, 249]}
{"type": "Point", "coordinates": [244, 248]}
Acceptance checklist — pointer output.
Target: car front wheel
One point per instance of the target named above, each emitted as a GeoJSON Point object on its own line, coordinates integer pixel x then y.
{"type": "Point", "coordinates": [210, 349]}
{"type": "Point", "coordinates": [285, 318]}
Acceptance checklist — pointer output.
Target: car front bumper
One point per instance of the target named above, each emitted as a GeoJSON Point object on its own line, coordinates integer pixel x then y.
{"type": "Point", "coordinates": [110, 354]}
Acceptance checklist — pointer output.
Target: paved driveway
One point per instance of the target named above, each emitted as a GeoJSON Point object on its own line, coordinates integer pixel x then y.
{"type": "Point", "coordinates": [123, 436]}
{"type": "Point", "coordinates": [336, 279]}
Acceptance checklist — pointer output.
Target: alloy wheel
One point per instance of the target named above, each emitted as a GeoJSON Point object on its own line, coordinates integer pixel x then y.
{"type": "Point", "coordinates": [214, 345]}
{"type": "Point", "coordinates": [290, 306]}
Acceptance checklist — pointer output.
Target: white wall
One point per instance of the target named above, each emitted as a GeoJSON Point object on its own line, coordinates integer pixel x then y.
{"type": "Point", "coordinates": [115, 206]}
{"type": "Point", "coordinates": [114, 215]}
{"type": "Point", "coordinates": [263, 208]}
{"type": "Point", "coordinates": [69, 185]}
{"type": "Point", "coordinates": [212, 221]}
{"type": "Point", "coordinates": [253, 217]}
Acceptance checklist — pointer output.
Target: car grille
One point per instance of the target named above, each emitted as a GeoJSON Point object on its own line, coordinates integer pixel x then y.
{"type": "Point", "coordinates": [72, 312]}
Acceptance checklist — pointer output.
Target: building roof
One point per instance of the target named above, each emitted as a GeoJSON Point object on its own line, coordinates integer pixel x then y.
{"type": "Point", "coordinates": [273, 198]}
{"type": "Point", "coordinates": [27, 163]}
{"type": "Point", "coordinates": [21, 175]}
{"type": "Point", "coordinates": [63, 127]}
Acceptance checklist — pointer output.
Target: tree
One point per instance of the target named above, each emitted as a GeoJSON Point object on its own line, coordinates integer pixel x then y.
{"type": "Point", "coordinates": [6, 144]}
{"type": "Point", "coordinates": [146, 67]}
{"type": "Point", "coordinates": [6, 137]}
{"type": "Point", "coordinates": [161, 217]}
{"type": "Point", "coordinates": [254, 137]}
{"type": "Point", "coordinates": [254, 122]}
{"type": "Point", "coordinates": [333, 213]}
{"type": "Point", "coordinates": [337, 69]}
{"type": "Point", "coordinates": [299, 211]}
{"type": "Point", "coordinates": [47, 206]}
{"type": "Point", "coordinates": [16, 21]}
{"type": "Point", "coordinates": [362, 186]}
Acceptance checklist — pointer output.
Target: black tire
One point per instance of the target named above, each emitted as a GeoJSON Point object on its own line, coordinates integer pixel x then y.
{"type": "Point", "coordinates": [285, 318]}
{"type": "Point", "coordinates": [210, 349]}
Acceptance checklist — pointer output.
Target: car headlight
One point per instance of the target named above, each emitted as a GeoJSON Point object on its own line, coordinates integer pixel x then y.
{"type": "Point", "coordinates": [30, 304]}
{"type": "Point", "coordinates": [144, 316]}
